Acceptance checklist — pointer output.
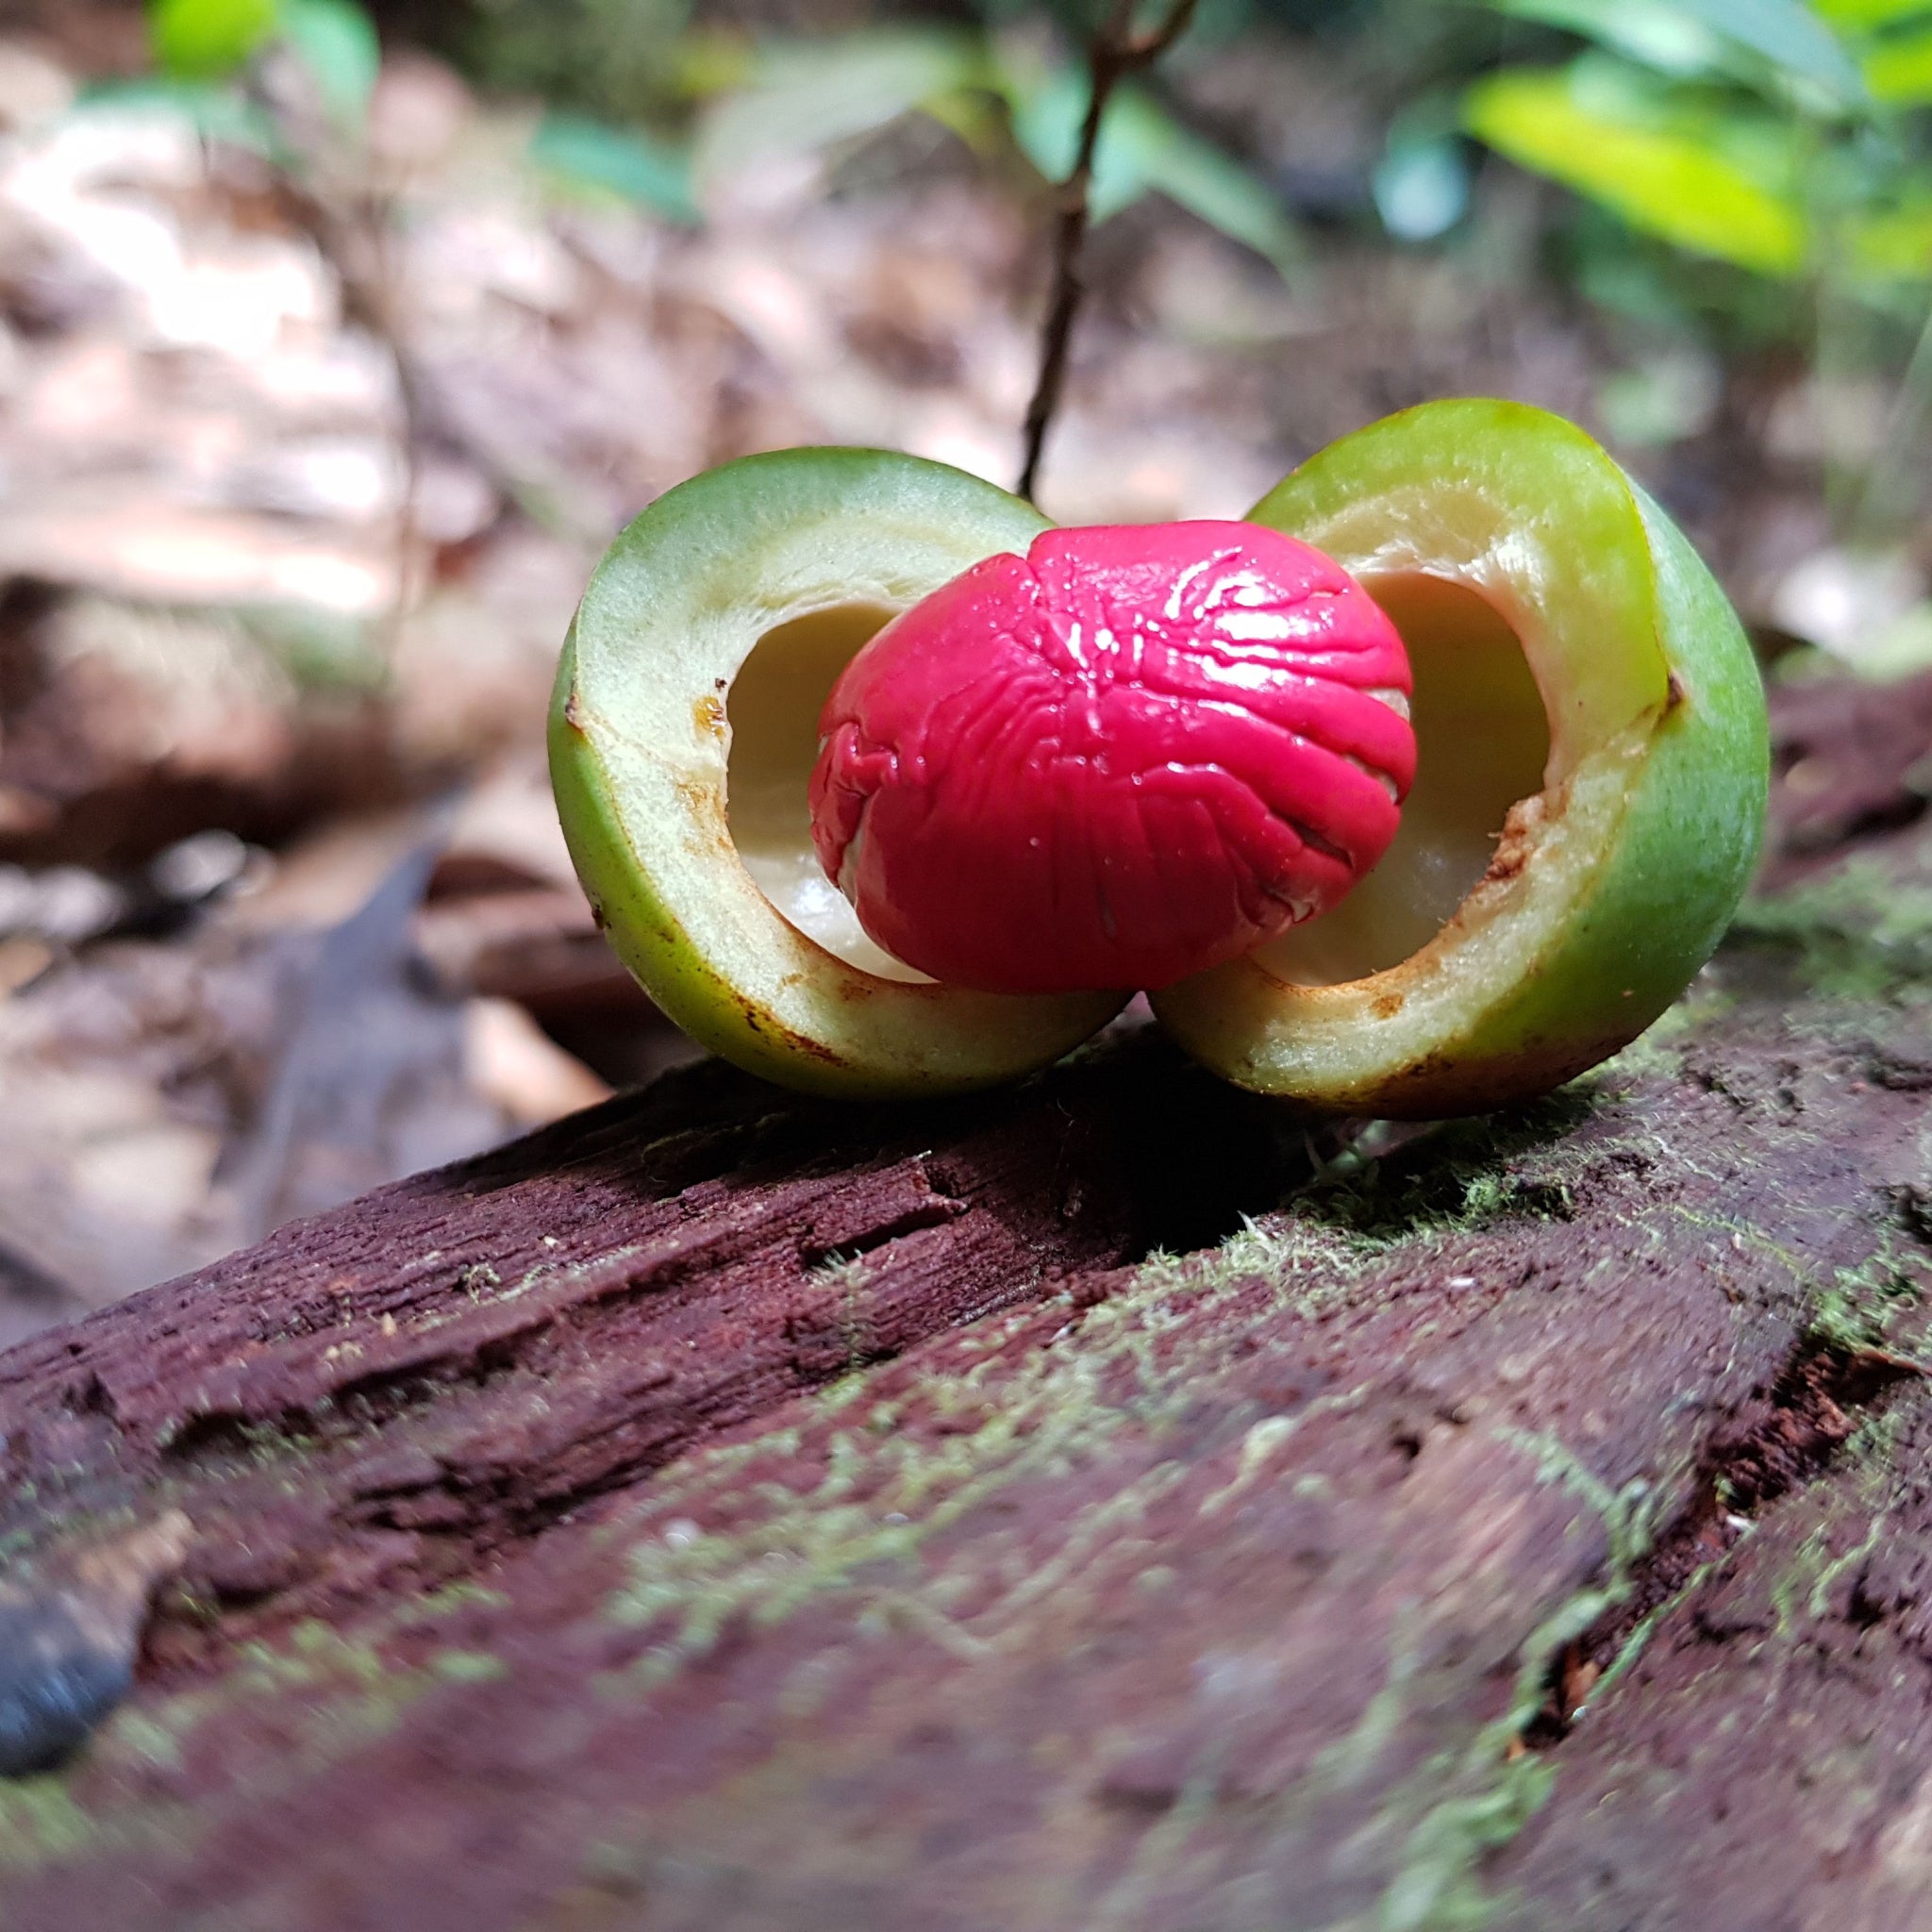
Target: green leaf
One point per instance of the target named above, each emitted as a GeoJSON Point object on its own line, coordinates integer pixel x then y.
{"type": "Point", "coordinates": [810, 95]}
{"type": "Point", "coordinates": [1893, 245]}
{"type": "Point", "coordinates": [1899, 70]}
{"type": "Point", "coordinates": [1786, 33]}
{"type": "Point", "coordinates": [583, 152]}
{"type": "Point", "coordinates": [336, 41]}
{"type": "Point", "coordinates": [1049, 109]}
{"type": "Point", "coordinates": [1688, 39]}
{"type": "Point", "coordinates": [1657, 32]}
{"type": "Point", "coordinates": [1668, 183]}
{"type": "Point", "coordinates": [208, 40]}
{"type": "Point", "coordinates": [1853, 16]}
{"type": "Point", "coordinates": [1143, 149]}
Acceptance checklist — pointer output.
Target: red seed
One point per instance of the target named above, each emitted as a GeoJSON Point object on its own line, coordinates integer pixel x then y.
{"type": "Point", "coordinates": [1128, 755]}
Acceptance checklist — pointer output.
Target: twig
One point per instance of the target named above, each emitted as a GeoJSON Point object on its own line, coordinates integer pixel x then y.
{"type": "Point", "coordinates": [1116, 52]}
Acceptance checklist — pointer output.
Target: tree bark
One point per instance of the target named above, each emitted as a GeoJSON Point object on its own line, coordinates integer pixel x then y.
{"type": "Point", "coordinates": [723, 1510]}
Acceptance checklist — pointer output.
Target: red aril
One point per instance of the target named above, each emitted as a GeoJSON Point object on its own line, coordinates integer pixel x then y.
{"type": "Point", "coordinates": [1133, 754]}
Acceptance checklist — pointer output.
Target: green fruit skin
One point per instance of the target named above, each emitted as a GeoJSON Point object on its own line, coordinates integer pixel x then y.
{"type": "Point", "coordinates": [1656, 903]}
{"type": "Point", "coordinates": [659, 952]}
{"type": "Point", "coordinates": [1688, 845]}
{"type": "Point", "coordinates": [724, 540]}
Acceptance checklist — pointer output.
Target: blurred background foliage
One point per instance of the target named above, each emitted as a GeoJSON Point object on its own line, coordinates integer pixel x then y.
{"type": "Point", "coordinates": [1741, 182]}
{"type": "Point", "coordinates": [1733, 190]}
{"type": "Point", "coordinates": [1740, 172]}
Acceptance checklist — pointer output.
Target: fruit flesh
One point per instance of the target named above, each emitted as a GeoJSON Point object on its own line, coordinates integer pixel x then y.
{"type": "Point", "coordinates": [1118, 760]}
{"type": "Point", "coordinates": [773, 711]}
{"type": "Point", "coordinates": [1476, 709]}
{"type": "Point", "coordinates": [1612, 882]}
{"type": "Point", "coordinates": [641, 743]}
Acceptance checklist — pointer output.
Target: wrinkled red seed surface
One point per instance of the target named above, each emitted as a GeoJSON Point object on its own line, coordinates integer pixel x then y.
{"type": "Point", "coordinates": [1122, 758]}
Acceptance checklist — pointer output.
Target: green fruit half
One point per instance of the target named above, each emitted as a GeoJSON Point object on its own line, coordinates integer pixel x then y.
{"type": "Point", "coordinates": [682, 734]}
{"type": "Point", "coordinates": [1591, 788]}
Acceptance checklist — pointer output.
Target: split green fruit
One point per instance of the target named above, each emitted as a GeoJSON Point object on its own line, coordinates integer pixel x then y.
{"type": "Point", "coordinates": [1588, 801]}
{"type": "Point", "coordinates": [1584, 688]}
{"type": "Point", "coordinates": [682, 737]}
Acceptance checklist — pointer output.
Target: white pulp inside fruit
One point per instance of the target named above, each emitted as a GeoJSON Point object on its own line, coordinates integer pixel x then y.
{"type": "Point", "coordinates": [773, 709]}
{"type": "Point", "coordinates": [1482, 743]}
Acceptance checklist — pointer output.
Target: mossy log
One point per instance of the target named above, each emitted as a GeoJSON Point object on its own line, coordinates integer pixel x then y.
{"type": "Point", "coordinates": [1108, 1504]}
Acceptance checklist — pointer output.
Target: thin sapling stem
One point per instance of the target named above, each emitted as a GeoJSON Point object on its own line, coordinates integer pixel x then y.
{"type": "Point", "coordinates": [1115, 52]}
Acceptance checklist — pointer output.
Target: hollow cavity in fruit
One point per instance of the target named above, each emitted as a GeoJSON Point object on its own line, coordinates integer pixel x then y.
{"type": "Point", "coordinates": [1125, 756]}
{"type": "Point", "coordinates": [1592, 778]}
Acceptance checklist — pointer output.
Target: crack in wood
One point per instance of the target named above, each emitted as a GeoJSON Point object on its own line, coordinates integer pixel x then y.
{"type": "Point", "coordinates": [1789, 1440]}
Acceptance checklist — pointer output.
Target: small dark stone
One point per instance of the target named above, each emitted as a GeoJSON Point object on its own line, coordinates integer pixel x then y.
{"type": "Point", "coordinates": [63, 1667]}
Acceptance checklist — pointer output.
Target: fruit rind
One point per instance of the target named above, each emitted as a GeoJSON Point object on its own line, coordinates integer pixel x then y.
{"type": "Point", "coordinates": [1610, 888]}
{"type": "Point", "coordinates": [638, 743]}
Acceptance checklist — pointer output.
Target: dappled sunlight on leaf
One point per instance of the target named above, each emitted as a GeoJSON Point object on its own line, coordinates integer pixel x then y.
{"type": "Point", "coordinates": [1665, 182]}
{"type": "Point", "coordinates": [200, 39]}
{"type": "Point", "coordinates": [1898, 70]}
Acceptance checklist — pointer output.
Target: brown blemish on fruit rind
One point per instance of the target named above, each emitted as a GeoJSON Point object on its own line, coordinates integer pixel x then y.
{"type": "Point", "coordinates": [574, 710]}
{"type": "Point", "coordinates": [1520, 826]}
{"type": "Point", "coordinates": [1442, 1082]}
{"type": "Point", "coordinates": [708, 714]}
{"type": "Point", "coordinates": [761, 1026]}
{"type": "Point", "coordinates": [700, 799]}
